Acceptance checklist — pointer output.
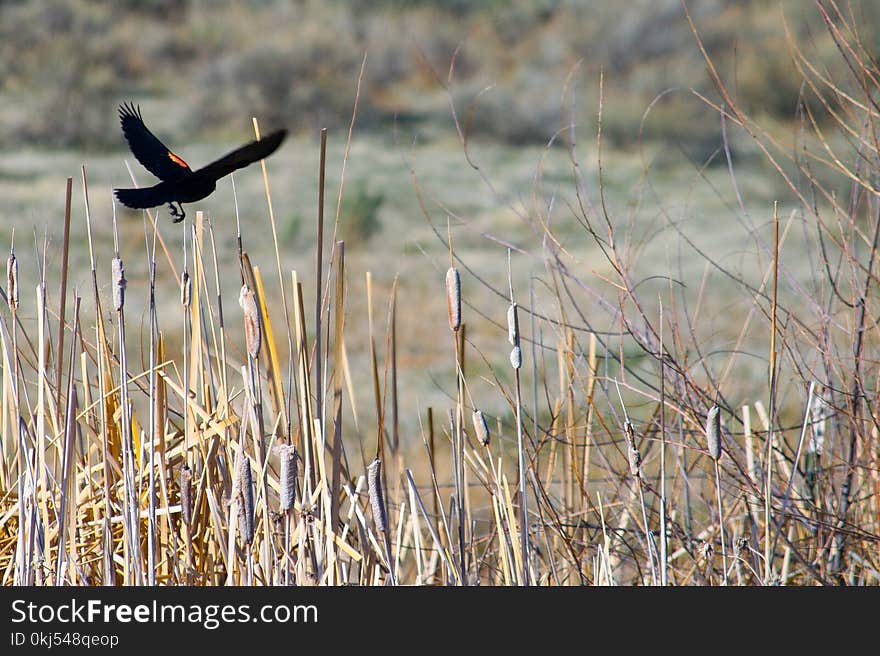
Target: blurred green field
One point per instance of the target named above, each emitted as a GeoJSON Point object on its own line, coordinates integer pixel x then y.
{"type": "Point", "coordinates": [388, 234]}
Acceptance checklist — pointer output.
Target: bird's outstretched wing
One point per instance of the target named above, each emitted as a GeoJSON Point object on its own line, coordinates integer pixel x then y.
{"type": "Point", "coordinates": [149, 151]}
{"type": "Point", "coordinates": [241, 157]}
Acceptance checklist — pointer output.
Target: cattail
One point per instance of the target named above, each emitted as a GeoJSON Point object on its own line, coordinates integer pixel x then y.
{"type": "Point", "coordinates": [12, 282]}
{"type": "Point", "coordinates": [713, 432]}
{"type": "Point", "coordinates": [247, 301]}
{"type": "Point", "coordinates": [287, 455]}
{"type": "Point", "coordinates": [119, 283]}
{"type": "Point", "coordinates": [513, 325]}
{"type": "Point", "coordinates": [453, 298]}
{"type": "Point", "coordinates": [516, 357]}
{"type": "Point", "coordinates": [377, 499]}
{"type": "Point", "coordinates": [481, 428]}
{"type": "Point", "coordinates": [632, 451]}
{"type": "Point", "coordinates": [818, 416]}
{"type": "Point", "coordinates": [186, 494]}
{"type": "Point", "coordinates": [245, 502]}
{"type": "Point", "coordinates": [185, 288]}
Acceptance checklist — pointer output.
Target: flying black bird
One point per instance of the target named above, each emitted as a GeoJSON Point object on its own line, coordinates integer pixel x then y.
{"type": "Point", "coordinates": [180, 184]}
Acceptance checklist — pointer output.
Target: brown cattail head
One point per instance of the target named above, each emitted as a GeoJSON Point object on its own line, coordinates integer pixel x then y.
{"type": "Point", "coordinates": [287, 455]}
{"type": "Point", "coordinates": [119, 283]}
{"type": "Point", "coordinates": [377, 498]}
{"type": "Point", "coordinates": [186, 494]}
{"type": "Point", "coordinates": [516, 357]}
{"type": "Point", "coordinates": [481, 428]}
{"type": "Point", "coordinates": [713, 432]}
{"type": "Point", "coordinates": [12, 282]}
{"type": "Point", "coordinates": [632, 451]}
{"type": "Point", "coordinates": [245, 501]}
{"type": "Point", "coordinates": [453, 298]}
{"type": "Point", "coordinates": [513, 325]}
{"type": "Point", "coordinates": [248, 302]}
{"type": "Point", "coordinates": [185, 288]}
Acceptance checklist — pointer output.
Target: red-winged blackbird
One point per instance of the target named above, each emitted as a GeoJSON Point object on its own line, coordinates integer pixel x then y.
{"type": "Point", "coordinates": [180, 184]}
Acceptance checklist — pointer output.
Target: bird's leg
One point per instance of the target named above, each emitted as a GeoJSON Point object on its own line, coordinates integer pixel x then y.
{"type": "Point", "coordinates": [177, 215]}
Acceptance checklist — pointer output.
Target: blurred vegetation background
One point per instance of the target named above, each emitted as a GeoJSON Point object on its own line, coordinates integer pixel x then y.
{"type": "Point", "coordinates": [66, 63]}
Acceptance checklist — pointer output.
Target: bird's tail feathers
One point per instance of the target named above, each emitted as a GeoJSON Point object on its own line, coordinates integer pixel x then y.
{"type": "Point", "coordinates": [139, 199]}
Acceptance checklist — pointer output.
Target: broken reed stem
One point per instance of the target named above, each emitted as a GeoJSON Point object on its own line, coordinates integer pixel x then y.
{"type": "Point", "coordinates": [319, 273]}
{"type": "Point", "coordinates": [100, 340]}
{"type": "Point", "coordinates": [62, 297]}
{"type": "Point", "coordinates": [664, 556]}
{"type": "Point", "coordinates": [67, 454]}
{"type": "Point", "coordinates": [338, 344]}
{"type": "Point", "coordinates": [768, 486]}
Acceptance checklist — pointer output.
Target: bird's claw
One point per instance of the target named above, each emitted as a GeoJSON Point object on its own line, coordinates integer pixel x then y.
{"type": "Point", "coordinates": [176, 215]}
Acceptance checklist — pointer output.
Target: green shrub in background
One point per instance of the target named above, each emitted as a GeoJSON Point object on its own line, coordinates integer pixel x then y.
{"type": "Point", "coordinates": [297, 63]}
{"type": "Point", "coordinates": [360, 214]}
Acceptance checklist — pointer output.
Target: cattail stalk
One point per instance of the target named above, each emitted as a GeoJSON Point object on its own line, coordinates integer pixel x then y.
{"type": "Point", "coordinates": [516, 363]}
{"type": "Point", "coordinates": [21, 570]}
{"type": "Point", "coordinates": [453, 307]}
{"type": "Point", "coordinates": [664, 553]}
{"type": "Point", "coordinates": [635, 469]}
{"type": "Point", "coordinates": [132, 495]}
{"type": "Point", "coordinates": [713, 444]}
{"type": "Point", "coordinates": [186, 302]}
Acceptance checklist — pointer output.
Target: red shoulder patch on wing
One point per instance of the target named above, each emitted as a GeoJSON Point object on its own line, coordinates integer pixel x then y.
{"type": "Point", "coordinates": [177, 160]}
